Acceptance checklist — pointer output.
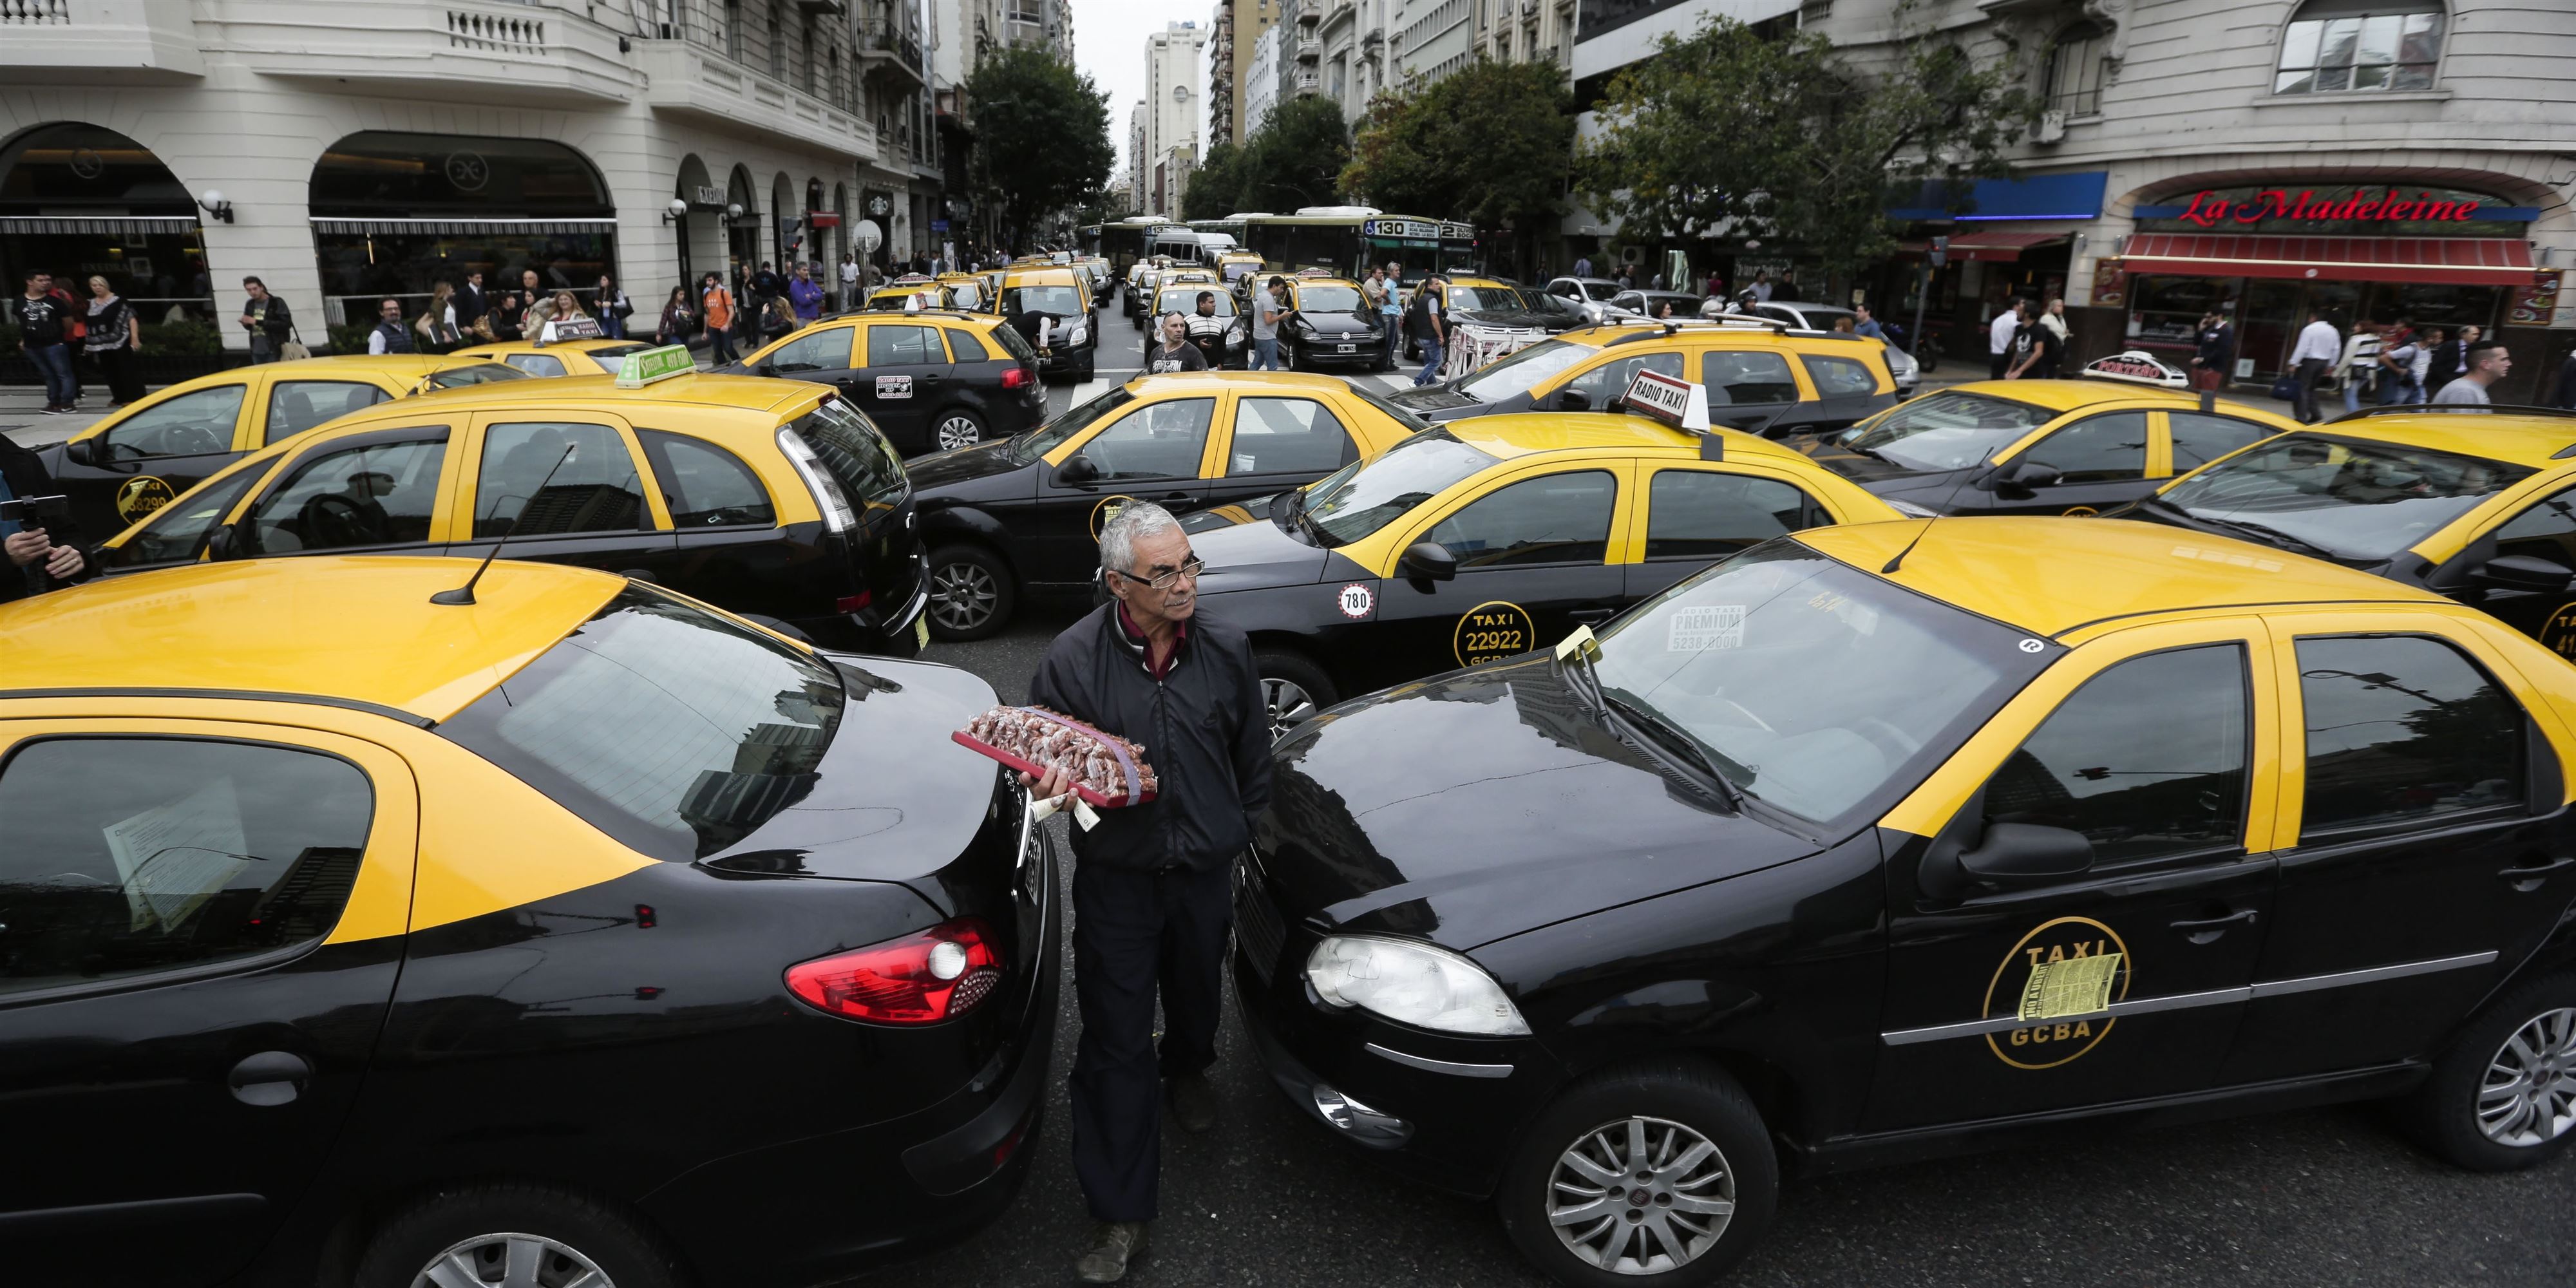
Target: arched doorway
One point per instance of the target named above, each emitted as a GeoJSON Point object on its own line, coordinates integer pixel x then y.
{"type": "Point", "coordinates": [80, 200]}
{"type": "Point", "coordinates": [394, 214]}
{"type": "Point", "coordinates": [703, 222]}
{"type": "Point", "coordinates": [742, 231]}
{"type": "Point", "coordinates": [782, 209]}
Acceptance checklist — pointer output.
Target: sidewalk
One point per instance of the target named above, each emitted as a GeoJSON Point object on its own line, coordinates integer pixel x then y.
{"type": "Point", "coordinates": [23, 418]}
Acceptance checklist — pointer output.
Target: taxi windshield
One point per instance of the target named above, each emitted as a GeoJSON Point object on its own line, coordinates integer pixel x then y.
{"type": "Point", "coordinates": [1948, 430]}
{"type": "Point", "coordinates": [612, 357]}
{"type": "Point", "coordinates": [1730, 659]}
{"type": "Point", "coordinates": [1484, 297]}
{"type": "Point", "coordinates": [2346, 498]}
{"type": "Point", "coordinates": [1364, 496]}
{"type": "Point", "coordinates": [1330, 299]}
{"type": "Point", "coordinates": [1236, 272]}
{"type": "Point", "coordinates": [1042, 440]}
{"type": "Point", "coordinates": [480, 373]}
{"type": "Point", "coordinates": [1522, 371]}
{"type": "Point", "coordinates": [1186, 300]}
{"type": "Point", "coordinates": [967, 294]}
{"type": "Point", "coordinates": [1062, 301]}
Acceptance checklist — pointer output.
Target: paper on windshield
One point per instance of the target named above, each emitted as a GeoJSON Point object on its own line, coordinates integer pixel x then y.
{"type": "Point", "coordinates": [1705, 626]}
{"type": "Point", "coordinates": [172, 858]}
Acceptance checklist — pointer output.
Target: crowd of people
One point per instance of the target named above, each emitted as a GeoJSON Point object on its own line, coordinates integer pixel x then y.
{"type": "Point", "coordinates": [2387, 364]}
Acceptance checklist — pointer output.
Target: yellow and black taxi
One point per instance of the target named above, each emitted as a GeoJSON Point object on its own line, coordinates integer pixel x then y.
{"type": "Point", "coordinates": [1143, 280]}
{"type": "Point", "coordinates": [341, 879]}
{"type": "Point", "coordinates": [1240, 271]}
{"type": "Point", "coordinates": [591, 356]}
{"type": "Point", "coordinates": [1486, 538]}
{"type": "Point", "coordinates": [2481, 507]}
{"type": "Point", "coordinates": [1761, 377]}
{"type": "Point", "coordinates": [2075, 447]}
{"type": "Point", "coordinates": [136, 459]}
{"type": "Point", "coordinates": [767, 497]}
{"type": "Point", "coordinates": [932, 379]}
{"type": "Point", "coordinates": [1023, 516]}
{"type": "Point", "coordinates": [963, 291]}
{"type": "Point", "coordinates": [910, 291]}
{"type": "Point", "coordinates": [1329, 325]}
{"type": "Point", "coordinates": [1879, 842]}
{"type": "Point", "coordinates": [1223, 337]}
{"type": "Point", "coordinates": [1047, 300]}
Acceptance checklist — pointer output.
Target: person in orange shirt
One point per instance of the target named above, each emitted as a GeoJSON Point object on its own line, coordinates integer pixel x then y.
{"type": "Point", "coordinates": [717, 309]}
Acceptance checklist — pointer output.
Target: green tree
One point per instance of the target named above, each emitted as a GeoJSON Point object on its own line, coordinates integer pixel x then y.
{"type": "Point", "coordinates": [1295, 158]}
{"type": "Point", "coordinates": [1041, 138]}
{"type": "Point", "coordinates": [1737, 134]}
{"type": "Point", "coordinates": [1488, 145]}
{"type": "Point", "coordinates": [1215, 185]}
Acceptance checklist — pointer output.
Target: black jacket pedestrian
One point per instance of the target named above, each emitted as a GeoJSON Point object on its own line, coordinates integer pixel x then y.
{"type": "Point", "coordinates": [2565, 393]}
{"type": "Point", "coordinates": [27, 477]}
{"type": "Point", "coordinates": [470, 305]}
{"type": "Point", "coordinates": [1204, 727]}
{"type": "Point", "coordinates": [2217, 351]}
{"type": "Point", "coordinates": [278, 323]}
{"type": "Point", "coordinates": [2445, 366]}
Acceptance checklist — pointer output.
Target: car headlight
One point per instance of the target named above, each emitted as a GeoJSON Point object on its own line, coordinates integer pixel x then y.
{"type": "Point", "coordinates": [1911, 510]}
{"type": "Point", "coordinates": [1080, 332]}
{"type": "Point", "coordinates": [1417, 984]}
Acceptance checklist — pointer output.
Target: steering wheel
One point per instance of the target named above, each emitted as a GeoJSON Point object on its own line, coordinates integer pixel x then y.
{"type": "Point", "coordinates": [1887, 737]}
{"type": "Point", "coordinates": [334, 520]}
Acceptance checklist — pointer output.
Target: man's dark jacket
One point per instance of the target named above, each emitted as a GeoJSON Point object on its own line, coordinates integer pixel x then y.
{"type": "Point", "coordinates": [1204, 727]}
{"type": "Point", "coordinates": [27, 477]}
{"type": "Point", "coordinates": [2217, 350]}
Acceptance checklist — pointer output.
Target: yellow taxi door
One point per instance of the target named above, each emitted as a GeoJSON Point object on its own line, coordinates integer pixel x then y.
{"type": "Point", "coordinates": [171, 442]}
{"type": "Point", "coordinates": [295, 403]}
{"type": "Point", "coordinates": [1277, 441]}
{"type": "Point", "coordinates": [1539, 550]}
{"type": "Point", "coordinates": [561, 488]}
{"type": "Point", "coordinates": [200, 930]}
{"type": "Point", "coordinates": [1695, 513]}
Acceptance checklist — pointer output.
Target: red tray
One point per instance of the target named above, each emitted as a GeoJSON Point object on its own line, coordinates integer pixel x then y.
{"type": "Point", "coordinates": [1035, 770]}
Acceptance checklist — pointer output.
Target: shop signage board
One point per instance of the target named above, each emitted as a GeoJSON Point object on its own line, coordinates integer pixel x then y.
{"type": "Point", "coordinates": [2386, 208]}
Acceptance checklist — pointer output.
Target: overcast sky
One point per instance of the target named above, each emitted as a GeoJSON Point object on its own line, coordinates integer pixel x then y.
{"type": "Point", "coordinates": [1109, 45]}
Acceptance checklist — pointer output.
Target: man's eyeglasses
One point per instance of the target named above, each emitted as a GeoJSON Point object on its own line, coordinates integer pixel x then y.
{"type": "Point", "coordinates": [1165, 581]}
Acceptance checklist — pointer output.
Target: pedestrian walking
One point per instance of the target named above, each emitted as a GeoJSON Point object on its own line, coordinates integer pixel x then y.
{"type": "Point", "coordinates": [114, 333]}
{"type": "Point", "coordinates": [2487, 363]}
{"type": "Point", "coordinates": [679, 318]}
{"type": "Point", "coordinates": [2000, 333]}
{"type": "Point", "coordinates": [2214, 352]}
{"type": "Point", "coordinates": [1268, 307]}
{"type": "Point", "coordinates": [613, 308]}
{"type": "Point", "coordinates": [766, 285]}
{"type": "Point", "coordinates": [849, 279]}
{"type": "Point", "coordinates": [436, 325]}
{"type": "Point", "coordinates": [1785, 291]}
{"type": "Point", "coordinates": [389, 335]}
{"type": "Point", "coordinates": [2314, 355]}
{"type": "Point", "coordinates": [1761, 288]}
{"type": "Point", "coordinates": [44, 331]}
{"type": "Point", "coordinates": [805, 295]}
{"type": "Point", "coordinates": [40, 559]}
{"type": "Point", "coordinates": [2417, 389]}
{"type": "Point", "coordinates": [268, 320]}
{"type": "Point", "coordinates": [716, 305]}
{"type": "Point", "coordinates": [2449, 360]}
{"type": "Point", "coordinates": [1207, 331]}
{"type": "Point", "coordinates": [1152, 883]}
{"type": "Point", "coordinates": [2035, 349]}
{"type": "Point", "coordinates": [1431, 327]}
{"type": "Point", "coordinates": [2396, 374]}
{"type": "Point", "coordinates": [2053, 317]}
{"type": "Point", "coordinates": [1175, 352]}
{"type": "Point", "coordinates": [2358, 366]}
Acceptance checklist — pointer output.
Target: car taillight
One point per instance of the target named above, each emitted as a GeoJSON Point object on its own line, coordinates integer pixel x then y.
{"type": "Point", "coordinates": [1014, 377]}
{"type": "Point", "coordinates": [936, 975]}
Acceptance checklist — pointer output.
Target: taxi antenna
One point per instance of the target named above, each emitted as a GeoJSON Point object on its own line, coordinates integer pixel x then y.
{"type": "Point", "coordinates": [1928, 521]}
{"type": "Point", "coordinates": [465, 594]}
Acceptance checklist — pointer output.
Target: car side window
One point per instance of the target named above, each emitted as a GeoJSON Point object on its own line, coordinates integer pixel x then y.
{"type": "Point", "coordinates": [134, 856]}
{"type": "Point", "coordinates": [2199, 439]}
{"type": "Point", "coordinates": [298, 405]}
{"type": "Point", "coordinates": [2545, 531]}
{"type": "Point", "coordinates": [1551, 519]}
{"type": "Point", "coordinates": [375, 494]}
{"type": "Point", "coordinates": [1745, 378]}
{"type": "Point", "coordinates": [1839, 377]}
{"type": "Point", "coordinates": [1164, 440]}
{"type": "Point", "coordinates": [536, 364]}
{"type": "Point", "coordinates": [595, 491]}
{"type": "Point", "coordinates": [1708, 514]}
{"type": "Point", "coordinates": [177, 531]}
{"type": "Point", "coordinates": [892, 343]}
{"type": "Point", "coordinates": [1287, 435]}
{"type": "Point", "coordinates": [188, 425]}
{"type": "Point", "coordinates": [964, 347]}
{"type": "Point", "coordinates": [705, 486]}
{"type": "Point", "coordinates": [1605, 383]}
{"type": "Point", "coordinates": [824, 350]}
{"type": "Point", "coordinates": [2147, 759]}
{"type": "Point", "coordinates": [2403, 729]}
{"type": "Point", "coordinates": [2104, 449]}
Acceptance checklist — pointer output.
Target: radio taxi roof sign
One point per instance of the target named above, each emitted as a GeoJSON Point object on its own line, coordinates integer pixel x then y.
{"type": "Point", "coordinates": [645, 366]}
{"type": "Point", "coordinates": [1673, 401]}
{"type": "Point", "coordinates": [2138, 367]}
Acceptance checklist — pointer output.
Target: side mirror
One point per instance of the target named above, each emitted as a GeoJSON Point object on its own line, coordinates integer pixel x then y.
{"type": "Point", "coordinates": [1427, 561]}
{"type": "Point", "coordinates": [2023, 476]}
{"type": "Point", "coordinates": [1574, 400]}
{"type": "Point", "coordinates": [1077, 469]}
{"type": "Point", "coordinates": [81, 452]}
{"type": "Point", "coordinates": [768, 369]}
{"type": "Point", "coordinates": [2020, 854]}
{"type": "Point", "coordinates": [219, 542]}
{"type": "Point", "coordinates": [2524, 572]}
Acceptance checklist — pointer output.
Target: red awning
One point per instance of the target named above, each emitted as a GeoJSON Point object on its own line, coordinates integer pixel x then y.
{"type": "Point", "coordinates": [1998, 247]}
{"type": "Point", "coordinates": [2459, 261]}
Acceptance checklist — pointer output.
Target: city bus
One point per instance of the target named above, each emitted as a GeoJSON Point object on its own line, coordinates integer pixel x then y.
{"type": "Point", "coordinates": [1216, 234]}
{"type": "Point", "coordinates": [1121, 243]}
{"type": "Point", "coordinates": [1349, 239]}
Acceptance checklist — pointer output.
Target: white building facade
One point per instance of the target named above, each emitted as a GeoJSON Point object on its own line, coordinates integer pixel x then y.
{"type": "Point", "coordinates": [1261, 78]}
{"type": "Point", "coordinates": [1175, 73]}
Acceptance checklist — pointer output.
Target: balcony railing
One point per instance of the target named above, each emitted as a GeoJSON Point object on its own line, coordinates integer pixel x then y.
{"type": "Point", "coordinates": [1310, 48]}
{"type": "Point", "coordinates": [486, 50]}
{"type": "Point", "coordinates": [64, 41]}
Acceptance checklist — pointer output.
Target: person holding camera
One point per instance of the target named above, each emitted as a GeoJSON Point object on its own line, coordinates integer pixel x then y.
{"type": "Point", "coordinates": [38, 560]}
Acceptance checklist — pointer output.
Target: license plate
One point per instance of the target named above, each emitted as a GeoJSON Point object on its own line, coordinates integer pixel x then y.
{"type": "Point", "coordinates": [1346, 348]}
{"type": "Point", "coordinates": [921, 631]}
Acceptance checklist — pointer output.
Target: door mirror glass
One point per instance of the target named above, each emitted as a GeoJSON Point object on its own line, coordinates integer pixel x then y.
{"type": "Point", "coordinates": [2526, 573]}
{"type": "Point", "coordinates": [2027, 474]}
{"type": "Point", "coordinates": [1429, 561]}
{"type": "Point", "coordinates": [1574, 400]}
{"type": "Point", "coordinates": [78, 453]}
{"type": "Point", "coordinates": [1077, 469]}
{"type": "Point", "coordinates": [2022, 854]}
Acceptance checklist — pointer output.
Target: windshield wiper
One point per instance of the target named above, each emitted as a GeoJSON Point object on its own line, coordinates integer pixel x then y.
{"type": "Point", "coordinates": [1669, 736]}
{"type": "Point", "coordinates": [1306, 522]}
{"type": "Point", "coordinates": [2262, 532]}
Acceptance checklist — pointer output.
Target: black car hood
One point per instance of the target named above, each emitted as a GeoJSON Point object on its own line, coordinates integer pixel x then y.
{"type": "Point", "coordinates": [964, 465]}
{"type": "Point", "coordinates": [1255, 554]}
{"type": "Point", "coordinates": [1484, 803]}
{"type": "Point", "coordinates": [1343, 325]}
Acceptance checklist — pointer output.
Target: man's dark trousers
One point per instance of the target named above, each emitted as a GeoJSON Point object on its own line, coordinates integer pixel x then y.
{"type": "Point", "coordinates": [1132, 930]}
{"type": "Point", "coordinates": [2311, 373]}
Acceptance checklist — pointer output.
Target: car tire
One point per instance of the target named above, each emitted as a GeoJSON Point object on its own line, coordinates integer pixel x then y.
{"type": "Point", "coordinates": [972, 593]}
{"type": "Point", "coordinates": [2526, 1037]}
{"type": "Point", "coordinates": [480, 1224]}
{"type": "Point", "coordinates": [1089, 370]}
{"type": "Point", "coordinates": [1294, 679]}
{"type": "Point", "coordinates": [953, 428]}
{"type": "Point", "coordinates": [1673, 1108]}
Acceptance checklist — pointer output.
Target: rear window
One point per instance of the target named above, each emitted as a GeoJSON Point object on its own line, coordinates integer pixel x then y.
{"type": "Point", "coordinates": [674, 730]}
{"type": "Point", "coordinates": [1013, 343]}
{"type": "Point", "coordinates": [481, 373]}
{"type": "Point", "coordinates": [860, 458]}
{"type": "Point", "coordinates": [1062, 301]}
{"type": "Point", "coordinates": [964, 347]}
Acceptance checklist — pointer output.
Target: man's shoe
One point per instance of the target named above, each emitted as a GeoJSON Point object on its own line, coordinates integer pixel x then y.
{"type": "Point", "coordinates": [1193, 1105]}
{"type": "Point", "coordinates": [1118, 1245]}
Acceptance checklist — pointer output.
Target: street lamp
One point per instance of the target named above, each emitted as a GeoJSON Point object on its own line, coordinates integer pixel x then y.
{"type": "Point", "coordinates": [677, 211]}
{"type": "Point", "coordinates": [215, 204]}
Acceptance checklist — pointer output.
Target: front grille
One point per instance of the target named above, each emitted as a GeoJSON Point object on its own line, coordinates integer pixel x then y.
{"type": "Point", "coordinates": [1256, 924]}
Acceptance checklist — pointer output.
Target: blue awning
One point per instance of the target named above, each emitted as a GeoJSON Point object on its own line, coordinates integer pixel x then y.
{"type": "Point", "coordinates": [2076, 195]}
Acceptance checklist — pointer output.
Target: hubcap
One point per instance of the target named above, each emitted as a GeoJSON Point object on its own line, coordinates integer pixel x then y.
{"type": "Point", "coordinates": [959, 431]}
{"type": "Point", "coordinates": [511, 1261]}
{"type": "Point", "coordinates": [963, 596]}
{"type": "Point", "coordinates": [2529, 1096]}
{"type": "Point", "coordinates": [1290, 705]}
{"type": "Point", "coordinates": [1640, 1197]}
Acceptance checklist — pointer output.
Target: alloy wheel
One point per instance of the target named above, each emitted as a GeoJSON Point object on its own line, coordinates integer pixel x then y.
{"type": "Point", "coordinates": [959, 431]}
{"type": "Point", "coordinates": [963, 596]}
{"type": "Point", "coordinates": [1640, 1197]}
{"type": "Point", "coordinates": [2529, 1095]}
{"type": "Point", "coordinates": [511, 1261]}
{"type": "Point", "coordinates": [1290, 705]}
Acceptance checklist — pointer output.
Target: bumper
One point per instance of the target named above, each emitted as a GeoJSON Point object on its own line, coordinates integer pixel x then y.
{"type": "Point", "coordinates": [1365, 351]}
{"type": "Point", "coordinates": [895, 634]}
{"type": "Point", "coordinates": [1068, 358]}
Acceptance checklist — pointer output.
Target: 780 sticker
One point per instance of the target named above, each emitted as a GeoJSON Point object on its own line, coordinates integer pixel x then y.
{"type": "Point", "coordinates": [1356, 601]}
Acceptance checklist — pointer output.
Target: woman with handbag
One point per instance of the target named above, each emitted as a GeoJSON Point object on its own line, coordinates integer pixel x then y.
{"type": "Point", "coordinates": [613, 308]}
{"type": "Point", "coordinates": [114, 333]}
{"type": "Point", "coordinates": [437, 323]}
{"type": "Point", "coordinates": [678, 319]}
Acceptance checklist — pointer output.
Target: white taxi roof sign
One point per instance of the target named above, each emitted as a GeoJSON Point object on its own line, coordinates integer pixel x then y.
{"type": "Point", "coordinates": [646, 366]}
{"type": "Point", "coordinates": [2137, 367]}
{"type": "Point", "coordinates": [1670, 399]}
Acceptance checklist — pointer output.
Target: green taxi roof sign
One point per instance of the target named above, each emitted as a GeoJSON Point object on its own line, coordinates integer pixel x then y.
{"type": "Point", "coordinates": [645, 366]}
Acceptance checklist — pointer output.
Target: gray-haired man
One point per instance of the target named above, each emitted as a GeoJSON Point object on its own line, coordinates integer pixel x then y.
{"type": "Point", "coordinates": [1151, 883]}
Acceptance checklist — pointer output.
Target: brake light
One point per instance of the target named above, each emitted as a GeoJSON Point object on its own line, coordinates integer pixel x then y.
{"type": "Point", "coordinates": [1015, 377]}
{"type": "Point", "coordinates": [851, 603]}
{"type": "Point", "coordinates": [936, 975]}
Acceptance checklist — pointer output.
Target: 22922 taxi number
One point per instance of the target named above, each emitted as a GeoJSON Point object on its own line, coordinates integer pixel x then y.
{"type": "Point", "coordinates": [1494, 629]}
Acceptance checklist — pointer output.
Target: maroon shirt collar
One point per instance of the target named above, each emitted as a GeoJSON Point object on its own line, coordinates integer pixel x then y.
{"type": "Point", "coordinates": [1135, 639]}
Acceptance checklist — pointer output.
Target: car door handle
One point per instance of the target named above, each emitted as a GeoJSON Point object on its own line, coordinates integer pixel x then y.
{"type": "Point", "coordinates": [2208, 929]}
{"type": "Point", "coordinates": [2528, 879]}
{"type": "Point", "coordinates": [269, 1078]}
{"type": "Point", "coordinates": [1173, 496]}
{"type": "Point", "coordinates": [1593, 616]}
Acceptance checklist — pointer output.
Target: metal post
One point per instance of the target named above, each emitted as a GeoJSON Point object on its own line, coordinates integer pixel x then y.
{"type": "Point", "coordinates": [1922, 295]}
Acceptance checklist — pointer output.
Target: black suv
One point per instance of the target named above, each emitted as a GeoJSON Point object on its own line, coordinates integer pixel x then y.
{"type": "Point", "coordinates": [933, 380]}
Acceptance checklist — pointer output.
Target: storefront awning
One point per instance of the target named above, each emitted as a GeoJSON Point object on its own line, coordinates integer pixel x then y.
{"type": "Point", "coordinates": [2074, 195]}
{"type": "Point", "coordinates": [2455, 261]}
{"type": "Point", "coordinates": [1999, 247]}
{"type": "Point", "coordinates": [126, 225]}
{"type": "Point", "coordinates": [459, 227]}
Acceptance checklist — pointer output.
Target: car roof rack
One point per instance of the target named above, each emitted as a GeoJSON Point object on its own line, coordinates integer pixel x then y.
{"type": "Point", "coordinates": [2501, 409]}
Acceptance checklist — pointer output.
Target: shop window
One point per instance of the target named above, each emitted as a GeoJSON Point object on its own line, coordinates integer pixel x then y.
{"type": "Point", "coordinates": [2336, 45]}
{"type": "Point", "coordinates": [2076, 63]}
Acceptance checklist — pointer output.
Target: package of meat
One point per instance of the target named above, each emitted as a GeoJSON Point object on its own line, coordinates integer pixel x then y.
{"type": "Point", "coordinates": [1107, 770]}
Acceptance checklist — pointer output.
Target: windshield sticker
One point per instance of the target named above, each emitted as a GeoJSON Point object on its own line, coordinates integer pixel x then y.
{"type": "Point", "coordinates": [894, 386]}
{"type": "Point", "coordinates": [1356, 601]}
{"type": "Point", "coordinates": [1494, 629]}
{"type": "Point", "coordinates": [2030, 644]}
{"type": "Point", "coordinates": [2059, 983]}
{"type": "Point", "coordinates": [1705, 626]}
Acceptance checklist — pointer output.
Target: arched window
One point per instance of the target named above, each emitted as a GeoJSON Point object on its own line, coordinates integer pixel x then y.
{"type": "Point", "coordinates": [2336, 45]}
{"type": "Point", "coordinates": [2075, 63]}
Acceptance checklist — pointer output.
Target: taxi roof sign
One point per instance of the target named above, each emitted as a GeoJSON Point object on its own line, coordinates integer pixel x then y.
{"type": "Point", "coordinates": [578, 327]}
{"type": "Point", "coordinates": [645, 366]}
{"type": "Point", "coordinates": [2137, 367]}
{"type": "Point", "coordinates": [1674, 401]}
